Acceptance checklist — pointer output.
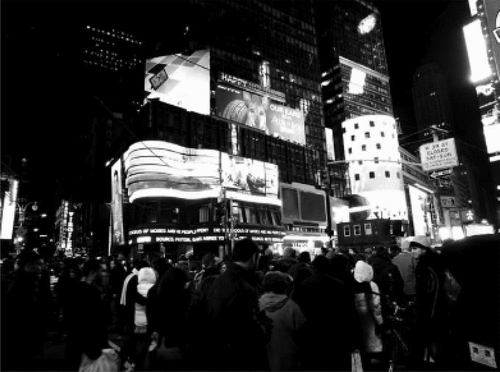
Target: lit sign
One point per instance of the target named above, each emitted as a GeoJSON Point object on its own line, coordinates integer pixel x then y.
{"type": "Point", "coordinates": [117, 203]}
{"type": "Point", "coordinates": [330, 150]}
{"type": "Point", "coordinates": [438, 155]}
{"type": "Point", "coordinates": [357, 81]}
{"type": "Point", "coordinates": [180, 80]}
{"type": "Point", "coordinates": [367, 24]}
{"type": "Point", "coordinates": [477, 51]}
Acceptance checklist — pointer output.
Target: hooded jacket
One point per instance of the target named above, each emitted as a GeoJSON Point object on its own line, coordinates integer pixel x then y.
{"type": "Point", "coordinates": [368, 307]}
{"type": "Point", "coordinates": [288, 322]}
{"type": "Point", "coordinates": [146, 279]}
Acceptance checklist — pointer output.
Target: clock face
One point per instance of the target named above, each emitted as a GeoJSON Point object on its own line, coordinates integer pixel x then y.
{"type": "Point", "coordinates": [367, 24]}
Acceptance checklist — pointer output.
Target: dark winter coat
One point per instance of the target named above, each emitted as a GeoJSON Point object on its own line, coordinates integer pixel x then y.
{"type": "Point", "coordinates": [387, 276]}
{"type": "Point", "coordinates": [238, 326]}
{"type": "Point", "coordinates": [328, 306]}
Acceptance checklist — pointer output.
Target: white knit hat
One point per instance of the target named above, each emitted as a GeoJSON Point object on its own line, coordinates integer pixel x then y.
{"type": "Point", "coordinates": [421, 240]}
{"type": "Point", "coordinates": [146, 275]}
{"type": "Point", "coordinates": [363, 272]}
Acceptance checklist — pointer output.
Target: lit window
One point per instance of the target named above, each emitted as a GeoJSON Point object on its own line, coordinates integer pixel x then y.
{"type": "Point", "coordinates": [368, 228]}
{"type": "Point", "coordinates": [372, 174]}
{"type": "Point", "coordinates": [357, 230]}
{"type": "Point", "coordinates": [372, 123]}
{"type": "Point", "coordinates": [352, 138]}
{"type": "Point", "coordinates": [387, 174]}
{"type": "Point", "coordinates": [356, 177]}
{"type": "Point", "coordinates": [350, 150]}
{"type": "Point", "coordinates": [378, 146]}
{"type": "Point", "coordinates": [356, 126]}
{"type": "Point", "coordinates": [382, 134]}
{"type": "Point", "coordinates": [367, 134]}
{"type": "Point", "coordinates": [347, 231]}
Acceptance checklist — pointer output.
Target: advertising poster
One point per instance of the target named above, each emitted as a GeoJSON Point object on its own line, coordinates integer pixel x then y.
{"type": "Point", "coordinates": [339, 212]}
{"type": "Point", "coordinates": [260, 112]}
{"type": "Point", "coordinates": [492, 8]}
{"type": "Point", "coordinates": [162, 169]}
{"type": "Point", "coordinates": [9, 209]}
{"type": "Point", "coordinates": [417, 202]}
{"type": "Point", "coordinates": [330, 149]}
{"type": "Point", "coordinates": [117, 203]}
{"type": "Point", "coordinates": [180, 80]}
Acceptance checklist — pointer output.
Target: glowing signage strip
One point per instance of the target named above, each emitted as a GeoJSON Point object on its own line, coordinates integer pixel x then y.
{"type": "Point", "coordinates": [171, 193]}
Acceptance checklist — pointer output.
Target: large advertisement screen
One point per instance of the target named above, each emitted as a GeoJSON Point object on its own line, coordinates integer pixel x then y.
{"type": "Point", "coordinates": [249, 180]}
{"type": "Point", "coordinates": [180, 80]}
{"type": "Point", "coordinates": [260, 112]}
{"type": "Point", "coordinates": [8, 208]}
{"type": "Point", "coordinates": [117, 203]}
{"type": "Point", "coordinates": [477, 52]}
{"type": "Point", "coordinates": [162, 169]}
{"type": "Point", "coordinates": [492, 8]}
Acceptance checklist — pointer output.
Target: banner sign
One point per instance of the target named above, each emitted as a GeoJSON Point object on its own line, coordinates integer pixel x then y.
{"type": "Point", "coordinates": [117, 203]}
{"type": "Point", "coordinates": [260, 112]}
{"type": "Point", "coordinates": [438, 155]}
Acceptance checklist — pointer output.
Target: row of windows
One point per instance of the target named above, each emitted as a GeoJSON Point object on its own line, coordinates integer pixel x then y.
{"type": "Point", "coordinates": [372, 175]}
{"type": "Point", "coordinates": [363, 147]}
{"type": "Point", "coordinates": [357, 230]}
{"type": "Point", "coordinates": [367, 134]}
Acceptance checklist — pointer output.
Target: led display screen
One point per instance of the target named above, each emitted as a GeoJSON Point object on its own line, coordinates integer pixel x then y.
{"type": "Point", "coordinates": [260, 112]}
{"type": "Point", "coordinates": [477, 51]}
{"type": "Point", "coordinates": [492, 8]}
{"type": "Point", "coordinates": [330, 149]}
{"type": "Point", "coordinates": [162, 169]}
{"type": "Point", "coordinates": [339, 212]}
{"type": "Point", "coordinates": [313, 207]}
{"type": "Point", "coordinates": [9, 208]}
{"type": "Point", "coordinates": [180, 80]}
{"type": "Point", "coordinates": [492, 135]}
{"type": "Point", "coordinates": [290, 199]}
{"type": "Point", "coordinates": [117, 203]}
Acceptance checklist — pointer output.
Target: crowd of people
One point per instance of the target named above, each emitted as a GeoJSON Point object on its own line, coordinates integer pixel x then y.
{"type": "Point", "coordinates": [251, 311]}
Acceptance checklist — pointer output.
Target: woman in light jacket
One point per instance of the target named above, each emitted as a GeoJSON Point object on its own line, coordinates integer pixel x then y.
{"type": "Point", "coordinates": [369, 310]}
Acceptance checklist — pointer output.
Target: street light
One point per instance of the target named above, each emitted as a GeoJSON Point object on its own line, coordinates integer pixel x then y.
{"type": "Point", "coordinates": [22, 210]}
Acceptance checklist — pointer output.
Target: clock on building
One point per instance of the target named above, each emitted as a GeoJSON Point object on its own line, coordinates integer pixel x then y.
{"type": "Point", "coordinates": [367, 24]}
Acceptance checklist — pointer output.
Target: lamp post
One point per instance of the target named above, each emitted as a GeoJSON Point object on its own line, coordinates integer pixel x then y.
{"type": "Point", "coordinates": [22, 210]}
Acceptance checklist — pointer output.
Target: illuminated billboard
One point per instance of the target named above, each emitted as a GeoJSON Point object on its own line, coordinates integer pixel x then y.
{"type": "Point", "coordinates": [330, 149]}
{"type": "Point", "coordinates": [418, 200]}
{"type": "Point", "coordinates": [162, 169]}
{"type": "Point", "coordinates": [117, 203]}
{"type": "Point", "coordinates": [477, 51]}
{"type": "Point", "coordinates": [261, 111]}
{"type": "Point", "coordinates": [249, 180]}
{"type": "Point", "coordinates": [492, 8]}
{"type": "Point", "coordinates": [9, 203]}
{"type": "Point", "coordinates": [303, 203]}
{"type": "Point", "coordinates": [180, 80]}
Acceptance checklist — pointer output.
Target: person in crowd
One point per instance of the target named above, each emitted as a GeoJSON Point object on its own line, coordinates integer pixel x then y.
{"type": "Point", "coordinates": [241, 331]}
{"type": "Point", "coordinates": [26, 306]}
{"type": "Point", "coordinates": [288, 322]}
{"type": "Point", "coordinates": [126, 314]}
{"type": "Point", "coordinates": [340, 268]}
{"type": "Point", "coordinates": [406, 265]}
{"type": "Point", "coordinates": [368, 254]}
{"type": "Point", "coordinates": [265, 261]}
{"type": "Point", "coordinates": [394, 250]}
{"type": "Point", "coordinates": [369, 311]}
{"type": "Point", "coordinates": [208, 268]}
{"type": "Point", "coordinates": [167, 314]}
{"type": "Point", "coordinates": [328, 306]}
{"type": "Point", "coordinates": [387, 277]}
{"type": "Point", "coordinates": [146, 279]}
{"type": "Point", "coordinates": [87, 326]}
{"type": "Point", "coordinates": [288, 260]}
{"type": "Point", "coordinates": [67, 283]}
{"type": "Point", "coordinates": [117, 275]}
{"type": "Point", "coordinates": [431, 304]}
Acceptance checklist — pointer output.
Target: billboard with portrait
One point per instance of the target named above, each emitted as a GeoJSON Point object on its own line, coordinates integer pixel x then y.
{"type": "Point", "coordinates": [117, 203]}
{"type": "Point", "coordinates": [181, 80]}
{"type": "Point", "coordinates": [261, 112]}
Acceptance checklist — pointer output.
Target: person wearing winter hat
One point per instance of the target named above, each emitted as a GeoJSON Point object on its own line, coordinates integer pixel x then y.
{"type": "Point", "coordinates": [431, 303]}
{"type": "Point", "coordinates": [369, 311]}
{"type": "Point", "coordinates": [288, 322]}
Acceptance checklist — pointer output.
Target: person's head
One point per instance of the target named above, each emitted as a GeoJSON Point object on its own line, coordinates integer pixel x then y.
{"type": "Point", "coordinates": [305, 257]}
{"type": "Point", "coordinates": [383, 253]}
{"type": "Point", "coordinates": [92, 271]}
{"type": "Point", "coordinates": [290, 252]}
{"type": "Point", "coordinates": [146, 275]}
{"type": "Point", "coordinates": [363, 272]}
{"type": "Point", "coordinates": [172, 282]}
{"type": "Point", "coordinates": [277, 282]}
{"type": "Point", "coordinates": [419, 245]}
{"type": "Point", "coordinates": [208, 261]}
{"type": "Point", "coordinates": [246, 253]}
{"type": "Point", "coordinates": [321, 264]}
{"type": "Point", "coordinates": [139, 264]}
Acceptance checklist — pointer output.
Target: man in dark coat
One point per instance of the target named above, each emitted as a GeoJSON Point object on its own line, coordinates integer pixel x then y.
{"type": "Point", "coordinates": [387, 276]}
{"type": "Point", "coordinates": [240, 330]}
{"type": "Point", "coordinates": [87, 317]}
{"type": "Point", "coordinates": [328, 305]}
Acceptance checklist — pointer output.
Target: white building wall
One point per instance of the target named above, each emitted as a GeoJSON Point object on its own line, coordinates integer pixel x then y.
{"type": "Point", "coordinates": [372, 149]}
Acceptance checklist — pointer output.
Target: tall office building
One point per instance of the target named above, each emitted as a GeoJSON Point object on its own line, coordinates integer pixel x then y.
{"type": "Point", "coordinates": [355, 78]}
{"type": "Point", "coordinates": [431, 100]}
